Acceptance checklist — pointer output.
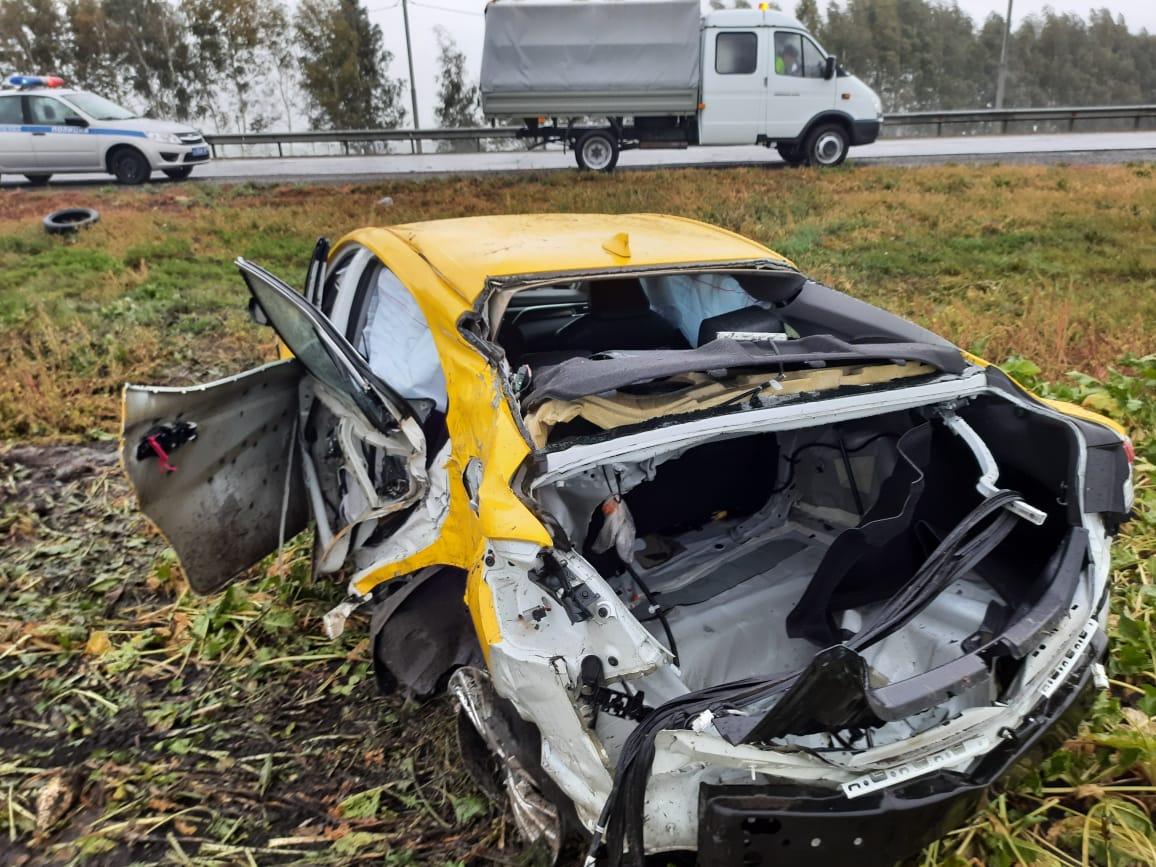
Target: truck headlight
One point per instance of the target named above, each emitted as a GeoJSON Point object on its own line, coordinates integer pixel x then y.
{"type": "Point", "coordinates": [164, 137]}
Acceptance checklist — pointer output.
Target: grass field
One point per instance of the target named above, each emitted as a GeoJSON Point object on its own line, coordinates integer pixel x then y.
{"type": "Point", "coordinates": [139, 723]}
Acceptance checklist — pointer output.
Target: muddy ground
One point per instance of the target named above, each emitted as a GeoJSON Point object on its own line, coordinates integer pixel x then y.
{"type": "Point", "coordinates": [141, 724]}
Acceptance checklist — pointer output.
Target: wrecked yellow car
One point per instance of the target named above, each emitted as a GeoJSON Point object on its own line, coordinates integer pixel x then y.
{"type": "Point", "coordinates": [712, 557]}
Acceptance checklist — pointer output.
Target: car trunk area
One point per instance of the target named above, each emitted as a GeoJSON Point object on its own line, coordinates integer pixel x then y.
{"type": "Point", "coordinates": [754, 556]}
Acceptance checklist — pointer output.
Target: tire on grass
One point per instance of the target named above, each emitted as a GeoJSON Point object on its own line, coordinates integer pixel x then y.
{"type": "Point", "coordinates": [69, 220]}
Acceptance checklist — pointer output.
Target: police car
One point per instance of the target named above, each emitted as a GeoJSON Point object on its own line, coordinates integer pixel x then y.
{"type": "Point", "coordinates": [47, 129]}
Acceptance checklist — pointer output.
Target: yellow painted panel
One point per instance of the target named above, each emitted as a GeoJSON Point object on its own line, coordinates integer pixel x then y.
{"type": "Point", "coordinates": [480, 424]}
{"type": "Point", "coordinates": [467, 251]}
{"type": "Point", "coordinates": [446, 264]}
{"type": "Point", "coordinates": [1067, 408]}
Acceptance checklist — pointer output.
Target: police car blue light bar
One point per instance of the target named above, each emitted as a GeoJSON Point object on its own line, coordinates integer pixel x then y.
{"type": "Point", "coordinates": [35, 81]}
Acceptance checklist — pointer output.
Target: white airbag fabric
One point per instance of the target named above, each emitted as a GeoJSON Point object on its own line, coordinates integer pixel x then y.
{"type": "Point", "coordinates": [687, 299]}
{"type": "Point", "coordinates": [398, 344]}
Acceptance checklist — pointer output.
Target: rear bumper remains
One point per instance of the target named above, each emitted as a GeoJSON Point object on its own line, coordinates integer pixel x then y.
{"type": "Point", "coordinates": [789, 825]}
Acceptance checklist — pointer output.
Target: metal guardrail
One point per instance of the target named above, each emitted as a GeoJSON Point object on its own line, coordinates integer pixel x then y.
{"type": "Point", "coordinates": [938, 119]}
{"type": "Point", "coordinates": [1004, 116]}
{"type": "Point", "coordinates": [345, 137]}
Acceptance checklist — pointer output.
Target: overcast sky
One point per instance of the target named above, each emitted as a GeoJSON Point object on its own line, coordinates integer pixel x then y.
{"type": "Point", "coordinates": [463, 20]}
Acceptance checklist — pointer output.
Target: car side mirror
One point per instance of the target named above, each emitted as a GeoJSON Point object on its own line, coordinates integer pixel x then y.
{"type": "Point", "coordinates": [73, 120]}
{"type": "Point", "coordinates": [831, 67]}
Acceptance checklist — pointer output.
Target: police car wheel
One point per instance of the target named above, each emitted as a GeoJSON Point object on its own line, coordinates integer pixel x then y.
{"type": "Point", "coordinates": [38, 180]}
{"type": "Point", "coordinates": [68, 220]}
{"type": "Point", "coordinates": [130, 167]}
{"type": "Point", "coordinates": [179, 174]}
{"type": "Point", "coordinates": [826, 146]}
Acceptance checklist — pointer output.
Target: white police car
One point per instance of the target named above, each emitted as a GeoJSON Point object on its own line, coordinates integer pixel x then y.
{"type": "Point", "coordinates": [47, 129]}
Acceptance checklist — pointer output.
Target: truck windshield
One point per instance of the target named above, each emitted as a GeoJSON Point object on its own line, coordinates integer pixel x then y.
{"type": "Point", "coordinates": [97, 107]}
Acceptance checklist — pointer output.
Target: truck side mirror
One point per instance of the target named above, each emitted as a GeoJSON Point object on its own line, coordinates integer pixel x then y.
{"type": "Point", "coordinates": [830, 68]}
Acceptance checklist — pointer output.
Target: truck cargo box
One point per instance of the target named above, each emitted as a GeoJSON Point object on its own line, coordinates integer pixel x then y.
{"type": "Point", "coordinates": [562, 58]}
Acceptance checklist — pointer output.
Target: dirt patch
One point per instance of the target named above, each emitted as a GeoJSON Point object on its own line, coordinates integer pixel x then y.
{"type": "Point", "coordinates": [137, 721]}
{"type": "Point", "coordinates": [53, 465]}
{"type": "Point", "coordinates": [34, 204]}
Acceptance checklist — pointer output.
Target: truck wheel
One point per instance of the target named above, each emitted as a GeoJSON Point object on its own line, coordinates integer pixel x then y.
{"type": "Point", "coordinates": [130, 166]}
{"type": "Point", "coordinates": [597, 150]}
{"type": "Point", "coordinates": [826, 146]}
{"type": "Point", "coordinates": [791, 154]}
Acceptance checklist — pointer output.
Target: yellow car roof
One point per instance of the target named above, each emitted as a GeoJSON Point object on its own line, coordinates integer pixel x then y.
{"type": "Point", "coordinates": [466, 251]}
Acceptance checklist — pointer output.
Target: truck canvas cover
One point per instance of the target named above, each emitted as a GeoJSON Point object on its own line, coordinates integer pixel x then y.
{"type": "Point", "coordinates": [572, 58]}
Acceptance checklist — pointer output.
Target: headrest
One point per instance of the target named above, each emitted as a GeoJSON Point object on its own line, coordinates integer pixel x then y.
{"type": "Point", "coordinates": [621, 296]}
{"type": "Point", "coordinates": [756, 319]}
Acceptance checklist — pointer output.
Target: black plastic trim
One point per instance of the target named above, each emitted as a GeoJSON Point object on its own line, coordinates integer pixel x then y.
{"type": "Point", "coordinates": [865, 131]}
{"type": "Point", "coordinates": [797, 826]}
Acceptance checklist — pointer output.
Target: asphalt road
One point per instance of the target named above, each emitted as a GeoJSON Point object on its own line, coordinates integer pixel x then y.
{"type": "Point", "coordinates": [1071, 147]}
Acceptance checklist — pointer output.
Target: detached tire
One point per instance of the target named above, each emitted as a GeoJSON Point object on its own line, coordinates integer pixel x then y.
{"type": "Point", "coordinates": [597, 151]}
{"type": "Point", "coordinates": [69, 220]}
{"type": "Point", "coordinates": [179, 174]}
{"type": "Point", "coordinates": [38, 180]}
{"type": "Point", "coordinates": [826, 146]}
{"type": "Point", "coordinates": [129, 166]}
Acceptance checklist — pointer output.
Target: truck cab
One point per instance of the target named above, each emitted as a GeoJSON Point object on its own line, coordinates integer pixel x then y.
{"type": "Point", "coordinates": [766, 80]}
{"type": "Point", "coordinates": [604, 76]}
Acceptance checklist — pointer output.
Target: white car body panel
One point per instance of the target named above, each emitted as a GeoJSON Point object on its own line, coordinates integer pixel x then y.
{"type": "Point", "coordinates": [536, 667]}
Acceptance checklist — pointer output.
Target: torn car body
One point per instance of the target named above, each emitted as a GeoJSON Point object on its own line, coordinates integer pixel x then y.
{"type": "Point", "coordinates": [719, 559]}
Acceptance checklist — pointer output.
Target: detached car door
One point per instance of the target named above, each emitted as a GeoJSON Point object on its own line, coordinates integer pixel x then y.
{"type": "Point", "coordinates": [226, 471]}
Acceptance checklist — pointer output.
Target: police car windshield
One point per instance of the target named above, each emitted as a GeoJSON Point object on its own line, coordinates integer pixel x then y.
{"type": "Point", "coordinates": [97, 107]}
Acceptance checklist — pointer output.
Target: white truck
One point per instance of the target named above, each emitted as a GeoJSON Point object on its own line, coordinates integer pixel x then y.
{"type": "Point", "coordinates": [602, 77]}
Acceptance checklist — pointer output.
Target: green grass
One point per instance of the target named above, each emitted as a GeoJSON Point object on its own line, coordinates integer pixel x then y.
{"type": "Point", "coordinates": [1053, 263]}
{"type": "Point", "coordinates": [227, 731]}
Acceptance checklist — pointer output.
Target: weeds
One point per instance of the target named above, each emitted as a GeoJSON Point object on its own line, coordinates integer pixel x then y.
{"type": "Point", "coordinates": [1051, 263]}
{"type": "Point", "coordinates": [140, 723]}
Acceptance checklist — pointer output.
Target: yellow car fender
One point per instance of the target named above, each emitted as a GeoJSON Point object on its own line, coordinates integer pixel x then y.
{"type": "Point", "coordinates": [481, 425]}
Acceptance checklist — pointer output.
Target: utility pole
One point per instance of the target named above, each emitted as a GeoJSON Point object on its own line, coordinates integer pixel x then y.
{"type": "Point", "coordinates": [1001, 78]}
{"type": "Point", "coordinates": [413, 84]}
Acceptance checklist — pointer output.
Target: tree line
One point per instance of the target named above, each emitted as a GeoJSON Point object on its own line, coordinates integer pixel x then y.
{"type": "Point", "coordinates": [251, 65]}
{"type": "Point", "coordinates": [244, 65]}
{"type": "Point", "coordinates": [921, 55]}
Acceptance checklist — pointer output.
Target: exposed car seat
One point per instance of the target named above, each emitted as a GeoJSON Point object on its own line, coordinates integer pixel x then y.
{"type": "Point", "coordinates": [753, 319]}
{"type": "Point", "coordinates": [619, 317]}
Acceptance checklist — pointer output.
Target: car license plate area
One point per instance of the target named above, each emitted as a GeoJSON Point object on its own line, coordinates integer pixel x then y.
{"type": "Point", "coordinates": [748, 825]}
{"type": "Point", "coordinates": [198, 153]}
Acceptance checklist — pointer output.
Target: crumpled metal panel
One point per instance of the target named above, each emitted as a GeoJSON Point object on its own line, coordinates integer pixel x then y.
{"type": "Point", "coordinates": [221, 508]}
{"type": "Point", "coordinates": [536, 817]}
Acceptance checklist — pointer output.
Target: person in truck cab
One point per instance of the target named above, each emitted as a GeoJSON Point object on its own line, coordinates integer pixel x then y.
{"type": "Point", "coordinates": [787, 60]}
